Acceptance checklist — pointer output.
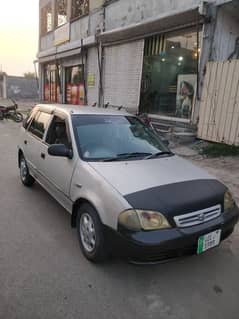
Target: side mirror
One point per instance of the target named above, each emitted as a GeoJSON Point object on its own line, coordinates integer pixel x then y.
{"type": "Point", "coordinates": [60, 150]}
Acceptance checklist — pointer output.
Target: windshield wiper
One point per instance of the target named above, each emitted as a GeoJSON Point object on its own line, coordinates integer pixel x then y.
{"type": "Point", "coordinates": [123, 156]}
{"type": "Point", "coordinates": [159, 154]}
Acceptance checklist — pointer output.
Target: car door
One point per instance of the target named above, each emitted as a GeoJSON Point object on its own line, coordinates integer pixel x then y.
{"type": "Point", "coordinates": [33, 140]}
{"type": "Point", "coordinates": [57, 171]}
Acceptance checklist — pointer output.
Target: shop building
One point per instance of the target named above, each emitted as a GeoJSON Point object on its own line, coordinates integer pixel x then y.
{"type": "Point", "coordinates": [68, 55]}
{"type": "Point", "coordinates": [149, 56]}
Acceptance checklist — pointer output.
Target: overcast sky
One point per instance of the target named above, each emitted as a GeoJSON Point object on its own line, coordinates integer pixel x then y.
{"type": "Point", "coordinates": [18, 35]}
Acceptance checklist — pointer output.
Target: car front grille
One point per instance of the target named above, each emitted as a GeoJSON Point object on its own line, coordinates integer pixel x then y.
{"type": "Point", "coordinates": [198, 217]}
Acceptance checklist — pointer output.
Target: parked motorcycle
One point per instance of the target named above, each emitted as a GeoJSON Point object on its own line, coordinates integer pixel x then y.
{"type": "Point", "coordinates": [10, 112]}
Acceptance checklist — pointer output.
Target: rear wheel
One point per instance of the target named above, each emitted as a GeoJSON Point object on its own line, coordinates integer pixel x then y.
{"type": "Point", "coordinates": [25, 176]}
{"type": "Point", "coordinates": [90, 234]}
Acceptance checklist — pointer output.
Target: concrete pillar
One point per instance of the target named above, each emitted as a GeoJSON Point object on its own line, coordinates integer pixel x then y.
{"type": "Point", "coordinates": [206, 50]}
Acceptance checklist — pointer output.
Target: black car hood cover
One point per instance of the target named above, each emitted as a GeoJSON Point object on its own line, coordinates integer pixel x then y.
{"type": "Point", "coordinates": [179, 198]}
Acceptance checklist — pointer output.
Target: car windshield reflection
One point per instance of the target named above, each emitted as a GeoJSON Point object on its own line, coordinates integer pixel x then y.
{"type": "Point", "coordinates": [115, 138]}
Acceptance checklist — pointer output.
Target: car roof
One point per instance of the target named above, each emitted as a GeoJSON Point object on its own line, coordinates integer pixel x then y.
{"type": "Point", "coordinates": [87, 110]}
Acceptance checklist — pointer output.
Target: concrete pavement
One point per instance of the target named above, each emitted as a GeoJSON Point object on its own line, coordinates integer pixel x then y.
{"type": "Point", "coordinates": [44, 275]}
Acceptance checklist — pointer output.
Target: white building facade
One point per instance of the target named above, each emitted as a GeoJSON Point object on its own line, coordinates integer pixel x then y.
{"type": "Point", "coordinates": [149, 56]}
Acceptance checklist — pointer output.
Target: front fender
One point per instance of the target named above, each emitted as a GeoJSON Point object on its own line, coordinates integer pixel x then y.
{"type": "Point", "coordinates": [90, 186]}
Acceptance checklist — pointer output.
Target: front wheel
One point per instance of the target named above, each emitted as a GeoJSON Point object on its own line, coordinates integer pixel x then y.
{"type": "Point", "coordinates": [25, 176]}
{"type": "Point", "coordinates": [17, 117]}
{"type": "Point", "coordinates": [90, 234]}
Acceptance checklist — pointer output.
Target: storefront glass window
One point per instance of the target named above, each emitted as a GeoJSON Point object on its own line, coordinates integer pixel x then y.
{"type": "Point", "coordinates": [170, 74]}
{"type": "Point", "coordinates": [52, 76]}
{"type": "Point", "coordinates": [75, 92]}
{"type": "Point", "coordinates": [46, 84]}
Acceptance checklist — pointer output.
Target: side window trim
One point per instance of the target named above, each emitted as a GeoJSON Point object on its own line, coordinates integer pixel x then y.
{"type": "Point", "coordinates": [47, 129]}
{"type": "Point", "coordinates": [35, 117]}
{"type": "Point", "coordinates": [66, 119]}
{"type": "Point", "coordinates": [30, 117]}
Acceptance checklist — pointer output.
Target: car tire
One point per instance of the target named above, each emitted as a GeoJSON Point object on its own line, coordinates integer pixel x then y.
{"type": "Point", "coordinates": [90, 234]}
{"type": "Point", "coordinates": [25, 176]}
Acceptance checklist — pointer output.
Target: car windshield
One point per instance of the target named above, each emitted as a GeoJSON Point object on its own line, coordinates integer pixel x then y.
{"type": "Point", "coordinates": [115, 137]}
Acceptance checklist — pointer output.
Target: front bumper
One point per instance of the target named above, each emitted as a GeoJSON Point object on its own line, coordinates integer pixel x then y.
{"type": "Point", "coordinates": [152, 246]}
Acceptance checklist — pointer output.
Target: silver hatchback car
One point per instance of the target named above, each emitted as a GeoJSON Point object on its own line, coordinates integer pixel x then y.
{"type": "Point", "coordinates": [127, 193]}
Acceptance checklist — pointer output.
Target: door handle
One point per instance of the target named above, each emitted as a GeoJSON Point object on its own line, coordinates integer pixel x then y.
{"type": "Point", "coordinates": [43, 155]}
{"type": "Point", "coordinates": [25, 142]}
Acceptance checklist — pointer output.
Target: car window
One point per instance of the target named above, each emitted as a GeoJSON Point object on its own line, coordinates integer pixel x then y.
{"type": "Point", "coordinates": [39, 124]}
{"type": "Point", "coordinates": [57, 133]}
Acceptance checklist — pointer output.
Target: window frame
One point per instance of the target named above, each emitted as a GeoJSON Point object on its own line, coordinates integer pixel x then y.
{"type": "Point", "coordinates": [44, 21]}
{"type": "Point", "coordinates": [56, 25]}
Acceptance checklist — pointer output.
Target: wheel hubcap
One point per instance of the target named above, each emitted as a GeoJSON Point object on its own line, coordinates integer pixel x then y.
{"type": "Point", "coordinates": [23, 169]}
{"type": "Point", "coordinates": [87, 232]}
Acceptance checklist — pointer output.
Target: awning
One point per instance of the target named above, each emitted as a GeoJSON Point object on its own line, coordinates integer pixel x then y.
{"type": "Point", "coordinates": [160, 24]}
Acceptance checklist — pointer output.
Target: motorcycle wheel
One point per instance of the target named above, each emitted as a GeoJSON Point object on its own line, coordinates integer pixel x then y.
{"type": "Point", "coordinates": [1, 116]}
{"type": "Point", "coordinates": [17, 117]}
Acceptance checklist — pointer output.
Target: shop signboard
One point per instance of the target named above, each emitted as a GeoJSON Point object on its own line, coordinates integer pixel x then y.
{"type": "Point", "coordinates": [91, 80]}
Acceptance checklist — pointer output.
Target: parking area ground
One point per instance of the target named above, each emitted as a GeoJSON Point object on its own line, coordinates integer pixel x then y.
{"type": "Point", "coordinates": [44, 275]}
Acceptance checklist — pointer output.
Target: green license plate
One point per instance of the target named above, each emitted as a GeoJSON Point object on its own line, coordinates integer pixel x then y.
{"type": "Point", "coordinates": [209, 241]}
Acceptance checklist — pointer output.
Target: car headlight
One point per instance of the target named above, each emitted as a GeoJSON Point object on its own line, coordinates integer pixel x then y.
{"type": "Point", "coordinates": [229, 202]}
{"type": "Point", "coordinates": [143, 219]}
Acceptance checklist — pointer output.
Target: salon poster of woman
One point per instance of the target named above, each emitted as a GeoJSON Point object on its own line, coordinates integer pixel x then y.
{"type": "Point", "coordinates": [186, 89]}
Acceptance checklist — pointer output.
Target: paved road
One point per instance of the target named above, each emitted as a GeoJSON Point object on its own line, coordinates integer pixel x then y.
{"type": "Point", "coordinates": [44, 275]}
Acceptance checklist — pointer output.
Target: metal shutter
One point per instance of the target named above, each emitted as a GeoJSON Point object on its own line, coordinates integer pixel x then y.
{"type": "Point", "coordinates": [92, 70]}
{"type": "Point", "coordinates": [122, 74]}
